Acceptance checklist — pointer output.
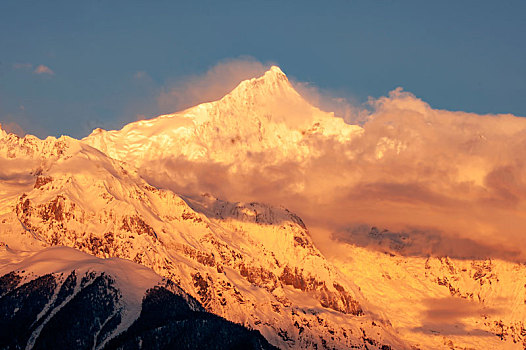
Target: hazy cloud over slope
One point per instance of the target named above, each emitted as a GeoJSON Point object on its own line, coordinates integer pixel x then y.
{"type": "Point", "coordinates": [210, 86]}
{"type": "Point", "coordinates": [456, 175]}
{"type": "Point", "coordinates": [454, 182]}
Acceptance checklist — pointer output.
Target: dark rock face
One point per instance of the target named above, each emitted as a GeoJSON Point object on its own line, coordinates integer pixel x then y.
{"type": "Point", "coordinates": [20, 307]}
{"type": "Point", "coordinates": [340, 300]}
{"type": "Point", "coordinates": [42, 181]}
{"type": "Point", "coordinates": [167, 322]}
{"type": "Point", "coordinates": [79, 320]}
{"type": "Point", "coordinates": [8, 282]}
{"type": "Point", "coordinates": [58, 312]}
{"type": "Point", "coordinates": [67, 318]}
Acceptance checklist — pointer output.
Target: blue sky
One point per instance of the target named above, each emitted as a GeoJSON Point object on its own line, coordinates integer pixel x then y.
{"type": "Point", "coordinates": [456, 55]}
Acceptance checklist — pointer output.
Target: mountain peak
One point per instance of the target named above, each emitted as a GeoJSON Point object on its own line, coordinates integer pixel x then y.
{"type": "Point", "coordinates": [272, 83]}
{"type": "Point", "coordinates": [274, 74]}
{"type": "Point", "coordinates": [275, 70]}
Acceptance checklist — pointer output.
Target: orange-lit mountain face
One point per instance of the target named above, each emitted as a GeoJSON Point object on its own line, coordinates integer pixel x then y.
{"type": "Point", "coordinates": [443, 182]}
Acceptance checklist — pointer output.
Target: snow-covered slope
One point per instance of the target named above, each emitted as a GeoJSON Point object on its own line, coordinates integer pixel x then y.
{"type": "Point", "coordinates": [250, 263]}
{"type": "Point", "coordinates": [61, 298]}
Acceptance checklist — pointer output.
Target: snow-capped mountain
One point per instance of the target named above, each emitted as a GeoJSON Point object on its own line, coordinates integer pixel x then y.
{"type": "Point", "coordinates": [60, 298]}
{"type": "Point", "coordinates": [115, 194]}
{"type": "Point", "coordinates": [263, 114]}
{"type": "Point", "coordinates": [250, 263]}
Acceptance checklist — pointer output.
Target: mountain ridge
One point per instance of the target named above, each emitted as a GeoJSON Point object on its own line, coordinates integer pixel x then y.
{"type": "Point", "coordinates": [250, 262]}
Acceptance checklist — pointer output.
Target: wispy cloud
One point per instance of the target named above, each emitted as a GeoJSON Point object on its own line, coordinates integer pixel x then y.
{"type": "Point", "coordinates": [12, 127]}
{"type": "Point", "coordinates": [141, 75]}
{"type": "Point", "coordinates": [25, 66]}
{"type": "Point", "coordinates": [343, 105]}
{"type": "Point", "coordinates": [39, 69]}
{"type": "Point", "coordinates": [42, 69]}
{"type": "Point", "coordinates": [210, 86]}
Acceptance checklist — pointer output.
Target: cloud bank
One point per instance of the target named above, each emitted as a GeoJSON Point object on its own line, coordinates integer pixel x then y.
{"type": "Point", "coordinates": [453, 183]}
{"type": "Point", "coordinates": [448, 316]}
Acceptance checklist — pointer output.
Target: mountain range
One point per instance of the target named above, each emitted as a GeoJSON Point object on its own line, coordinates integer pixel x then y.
{"type": "Point", "coordinates": [147, 237]}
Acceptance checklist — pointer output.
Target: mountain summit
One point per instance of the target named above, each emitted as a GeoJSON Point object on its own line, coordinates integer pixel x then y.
{"type": "Point", "coordinates": [264, 114]}
{"type": "Point", "coordinates": [272, 83]}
